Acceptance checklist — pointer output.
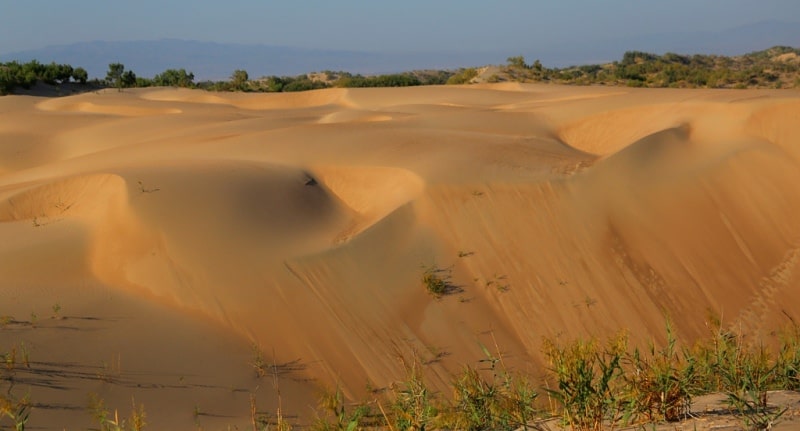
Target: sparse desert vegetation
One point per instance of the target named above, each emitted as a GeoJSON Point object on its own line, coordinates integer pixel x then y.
{"type": "Point", "coordinates": [776, 67]}
{"type": "Point", "coordinates": [589, 385]}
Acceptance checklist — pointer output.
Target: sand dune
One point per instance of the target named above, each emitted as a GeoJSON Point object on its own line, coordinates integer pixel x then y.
{"type": "Point", "coordinates": [174, 229]}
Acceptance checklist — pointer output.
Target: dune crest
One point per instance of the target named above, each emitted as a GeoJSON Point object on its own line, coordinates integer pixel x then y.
{"type": "Point", "coordinates": [62, 105]}
{"type": "Point", "coordinates": [372, 192]}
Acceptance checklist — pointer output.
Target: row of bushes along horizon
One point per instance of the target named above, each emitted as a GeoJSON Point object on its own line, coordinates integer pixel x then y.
{"type": "Point", "coordinates": [777, 67]}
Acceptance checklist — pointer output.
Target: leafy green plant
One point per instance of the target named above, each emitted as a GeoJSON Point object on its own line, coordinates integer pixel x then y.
{"type": "Point", "coordinates": [747, 374]}
{"type": "Point", "coordinates": [787, 373]}
{"type": "Point", "coordinates": [477, 402]}
{"type": "Point", "coordinates": [506, 400]}
{"type": "Point", "coordinates": [107, 422]}
{"type": "Point", "coordinates": [588, 379]}
{"type": "Point", "coordinates": [16, 410]}
{"type": "Point", "coordinates": [413, 407]}
{"type": "Point", "coordinates": [503, 402]}
{"type": "Point", "coordinates": [660, 382]}
{"type": "Point", "coordinates": [344, 419]}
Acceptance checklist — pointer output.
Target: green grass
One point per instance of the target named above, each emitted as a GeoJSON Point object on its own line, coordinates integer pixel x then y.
{"type": "Point", "coordinates": [14, 410]}
{"type": "Point", "coordinates": [588, 379]}
{"type": "Point", "coordinates": [338, 416]}
{"type": "Point", "coordinates": [112, 422]}
{"type": "Point", "coordinates": [503, 402]}
{"type": "Point", "coordinates": [660, 381]}
{"type": "Point", "coordinates": [594, 385]}
{"type": "Point", "coordinates": [603, 385]}
{"type": "Point", "coordinates": [413, 406]}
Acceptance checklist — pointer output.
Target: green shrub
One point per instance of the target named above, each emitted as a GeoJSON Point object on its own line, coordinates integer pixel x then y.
{"type": "Point", "coordinates": [588, 381]}
{"type": "Point", "coordinates": [414, 406]}
{"type": "Point", "coordinates": [436, 281]}
{"type": "Point", "coordinates": [504, 402]}
{"type": "Point", "coordinates": [339, 417]}
{"type": "Point", "coordinates": [464, 76]}
{"type": "Point", "coordinates": [660, 382]}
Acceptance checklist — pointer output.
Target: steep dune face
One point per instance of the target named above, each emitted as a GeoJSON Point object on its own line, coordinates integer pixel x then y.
{"type": "Point", "coordinates": [302, 224]}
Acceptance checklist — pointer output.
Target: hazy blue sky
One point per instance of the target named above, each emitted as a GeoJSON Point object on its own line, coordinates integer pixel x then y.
{"type": "Point", "coordinates": [372, 25]}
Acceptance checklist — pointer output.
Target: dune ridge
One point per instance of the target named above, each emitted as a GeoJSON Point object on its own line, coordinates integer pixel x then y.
{"type": "Point", "coordinates": [301, 224]}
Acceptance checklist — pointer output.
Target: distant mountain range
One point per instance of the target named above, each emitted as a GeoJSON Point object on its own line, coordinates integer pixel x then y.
{"type": "Point", "coordinates": [215, 61]}
{"type": "Point", "coordinates": [210, 60]}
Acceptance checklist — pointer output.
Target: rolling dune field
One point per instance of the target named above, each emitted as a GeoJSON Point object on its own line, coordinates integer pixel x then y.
{"type": "Point", "coordinates": [154, 239]}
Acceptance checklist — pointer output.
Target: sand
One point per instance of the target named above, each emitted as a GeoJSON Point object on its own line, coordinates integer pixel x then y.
{"type": "Point", "coordinates": [153, 238]}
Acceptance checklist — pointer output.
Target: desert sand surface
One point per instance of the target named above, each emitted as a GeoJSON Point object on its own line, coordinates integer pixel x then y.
{"type": "Point", "coordinates": [152, 238]}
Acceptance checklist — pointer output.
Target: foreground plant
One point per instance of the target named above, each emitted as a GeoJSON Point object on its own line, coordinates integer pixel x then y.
{"type": "Point", "coordinates": [435, 281]}
{"type": "Point", "coordinates": [747, 373]}
{"type": "Point", "coordinates": [17, 411]}
{"type": "Point", "coordinates": [787, 374]}
{"type": "Point", "coordinates": [660, 382]}
{"type": "Point", "coordinates": [503, 402]}
{"type": "Point", "coordinates": [414, 406]}
{"type": "Point", "coordinates": [589, 381]}
{"type": "Point", "coordinates": [107, 422]}
{"type": "Point", "coordinates": [259, 365]}
{"type": "Point", "coordinates": [343, 419]}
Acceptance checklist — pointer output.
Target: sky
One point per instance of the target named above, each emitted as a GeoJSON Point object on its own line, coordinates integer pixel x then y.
{"type": "Point", "coordinates": [373, 25]}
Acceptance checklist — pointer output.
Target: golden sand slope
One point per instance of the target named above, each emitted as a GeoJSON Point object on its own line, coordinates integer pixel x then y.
{"type": "Point", "coordinates": [172, 228]}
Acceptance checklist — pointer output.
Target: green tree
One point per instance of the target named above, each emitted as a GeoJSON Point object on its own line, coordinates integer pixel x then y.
{"type": "Point", "coordinates": [56, 73]}
{"type": "Point", "coordinates": [128, 79]}
{"type": "Point", "coordinates": [6, 80]}
{"type": "Point", "coordinates": [114, 74]}
{"type": "Point", "coordinates": [80, 75]}
{"type": "Point", "coordinates": [518, 62]}
{"type": "Point", "coordinates": [174, 78]}
{"type": "Point", "coordinates": [239, 79]}
{"type": "Point", "coordinates": [120, 78]}
{"type": "Point", "coordinates": [143, 82]}
{"type": "Point", "coordinates": [30, 73]}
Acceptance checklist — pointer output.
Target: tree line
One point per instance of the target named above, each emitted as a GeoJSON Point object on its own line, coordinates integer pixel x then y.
{"type": "Point", "coordinates": [24, 75]}
{"type": "Point", "coordinates": [777, 67]}
{"type": "Point", "coordinates": [240, 80]}
{"type": "Point", "coordinates": [14, 74]}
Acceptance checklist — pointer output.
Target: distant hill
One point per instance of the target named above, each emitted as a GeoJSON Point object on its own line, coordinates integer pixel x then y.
{"type": "Point", "coordinates": [216, 61]}
{"type": "Point", "coordinates": [776, 67]}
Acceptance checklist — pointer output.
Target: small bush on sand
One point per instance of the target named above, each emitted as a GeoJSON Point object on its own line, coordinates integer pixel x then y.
{"type": "Point", "coordinates": [341, 418]}
{"type": "Point", "coordinates": [435, 281]}
{"type": "Point", "coordinates": [504, 402]}
{"type": "Point", "coordinates": [414, 406]}
{"type": "Point", "coordinates": [660, 382]}
{"type": "Point", "coordinates": [107, 422]}
{"type": "Point", "coordinates": [589, 381]}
